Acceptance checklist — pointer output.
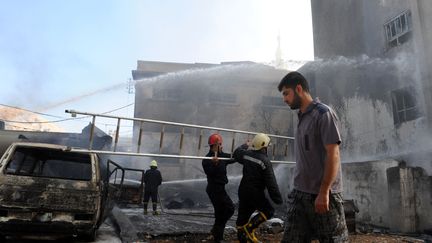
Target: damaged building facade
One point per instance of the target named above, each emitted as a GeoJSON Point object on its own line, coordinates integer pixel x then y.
{"type": "Point", "coordinates": [373, 65]}
{"type": "Point", "coordinates": [235, 95]}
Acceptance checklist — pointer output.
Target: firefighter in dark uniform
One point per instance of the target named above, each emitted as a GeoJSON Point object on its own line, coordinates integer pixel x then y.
{"type": "Point", "coordinates": [152, 180]}
{"type": "Point", "coordinates": [258, 175]}
{"type": "Point", "coordinates": [216, 179]}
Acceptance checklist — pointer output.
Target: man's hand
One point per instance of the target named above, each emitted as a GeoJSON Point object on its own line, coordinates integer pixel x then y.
{"type": "Point", "coordinates": [322, 202]}
{"type": "Point", "coordinates": [331, 168]}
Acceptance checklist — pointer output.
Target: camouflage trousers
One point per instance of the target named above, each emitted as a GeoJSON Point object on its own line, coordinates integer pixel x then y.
{"type": "Point", "coordinates": [302, 224]}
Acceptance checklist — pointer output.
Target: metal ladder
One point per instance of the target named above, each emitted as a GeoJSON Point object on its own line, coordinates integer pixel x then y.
{"type": "Point", "coordinates": [164, 124]}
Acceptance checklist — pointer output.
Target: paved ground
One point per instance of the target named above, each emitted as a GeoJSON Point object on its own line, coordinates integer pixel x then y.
{"type": "Point", "coordinates": [135, 226]}
{"type": "Point", "coordinates": [193, 226]}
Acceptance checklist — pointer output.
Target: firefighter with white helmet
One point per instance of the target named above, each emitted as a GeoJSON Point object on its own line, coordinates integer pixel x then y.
{"type": "Point", "coordinates": [152, 180]}
{"type": "Point", "coordinates": [260, 141]}
{"type": "Point", "coordinates": [258, 175]}
{"type": "Point", "coordinates": [216, 179]}
{"type": "Point", "coordinates": [153, 163]}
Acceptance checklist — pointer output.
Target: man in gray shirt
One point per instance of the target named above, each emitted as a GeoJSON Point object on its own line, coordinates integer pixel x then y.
{"type": "Point", "coordinates": [315, 207]}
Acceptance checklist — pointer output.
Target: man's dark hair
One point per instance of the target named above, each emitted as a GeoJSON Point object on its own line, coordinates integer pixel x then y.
{"type": "Point", "coordinates": [292, 79]}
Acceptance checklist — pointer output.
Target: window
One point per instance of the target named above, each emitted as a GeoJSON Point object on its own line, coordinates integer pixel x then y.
{"type": "Point", "coordinates": [223, 98]}
{"type": "Point", "coordinates": [273, 101]}
{"type": "Point", "coordinates": [398, 29]}
{"type": "Point", "coordinates": [41, 162]}
{"type": "Point", "coordinates": [404, 106]}
{"type": "Point", "coordinates": [167, 94]}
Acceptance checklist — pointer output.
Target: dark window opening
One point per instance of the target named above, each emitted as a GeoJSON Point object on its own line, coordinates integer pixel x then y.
{"type": "Point", "coordinates": [167, 94]}
{"type": "Point", "coordinates": [273, 101]}
{"type": "Point", "coordinates": [405, 106]}
{"type": "Point", "coordinates": [398, 29]}
{"type": "Point", "coordinates": [222, 98]}
{"type": "Point", "coordinates": [43, 162]}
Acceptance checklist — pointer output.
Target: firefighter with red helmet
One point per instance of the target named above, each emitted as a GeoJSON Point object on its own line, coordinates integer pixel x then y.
{"type": "Point", "coordinates": [216, 179]}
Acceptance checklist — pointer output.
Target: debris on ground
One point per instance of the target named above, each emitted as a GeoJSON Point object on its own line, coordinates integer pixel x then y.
{"type": "Point", "coordinates": [272, 238]}
{"type": "Point", "coordinates": [194, 227]}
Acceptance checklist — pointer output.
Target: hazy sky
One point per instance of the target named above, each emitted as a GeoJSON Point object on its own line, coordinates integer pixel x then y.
{"type": "Point", "coordinates": [52, 51]}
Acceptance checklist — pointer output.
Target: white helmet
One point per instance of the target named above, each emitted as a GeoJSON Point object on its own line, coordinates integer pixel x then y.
{"type": "Point", "coordinates": [260, 141]}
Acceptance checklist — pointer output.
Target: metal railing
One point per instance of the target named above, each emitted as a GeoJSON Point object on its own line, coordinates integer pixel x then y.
{"type": "Point", "coordinates": [163, 124]}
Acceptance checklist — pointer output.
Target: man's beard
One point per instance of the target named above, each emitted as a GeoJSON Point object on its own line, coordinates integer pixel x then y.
{"type": "Point", "coordinates": [296, 102]}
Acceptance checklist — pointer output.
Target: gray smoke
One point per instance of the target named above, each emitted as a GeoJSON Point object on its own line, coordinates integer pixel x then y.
{"type": "Point", "coordinates": [363, 91]}
{"type": "Point", "coordinates": [227, 96]}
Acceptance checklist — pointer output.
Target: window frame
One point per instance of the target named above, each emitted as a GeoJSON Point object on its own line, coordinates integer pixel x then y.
{"type": "Point", "coordinates": [273, 101]}
{"type": "Point", "coordinates": [397, 27]}
{"type": "Point", "coordinates": [47, 163]}
{"type": "Point", "coordinates": [404, 102]}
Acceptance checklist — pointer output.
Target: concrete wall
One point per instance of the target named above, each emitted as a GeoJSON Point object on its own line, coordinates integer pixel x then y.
{"type": "Point", "coordinates": [425, 9]}
{"type": "Point", "coordinates": [367, 184]}
{"type": "Point", "coordinates": [423, 198]}
{"type": "Point", "coordinates": [411, 188]}
{"type": "Point", "coordinates": [387, 193]}
{"type": "Point", "coordinates": [354, 27]}
{"type": "Point", "coordinates": [360, 90]}
{"type": "Point", "coordinates": [192, 100]}
{"type": "Point", "coordinates": [357, 72]}
{"type": "Point", "coordinates": [390, 194]}
{"type": "Point", "coordinates": [193, 92]}
{"type": "Point", "coordinates": [329, 19]}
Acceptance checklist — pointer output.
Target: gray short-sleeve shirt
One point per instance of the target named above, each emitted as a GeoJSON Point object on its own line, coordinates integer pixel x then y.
{"type": "Point", "coordinates": [317, 126]}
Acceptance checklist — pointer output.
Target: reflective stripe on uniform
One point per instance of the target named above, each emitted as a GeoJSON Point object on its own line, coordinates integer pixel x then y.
{"type": "Point", "coordinates": [247, 157]}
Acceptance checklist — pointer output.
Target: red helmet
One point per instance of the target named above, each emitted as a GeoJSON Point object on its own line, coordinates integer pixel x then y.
{"type": "Point", "coordinates": [215, 139]}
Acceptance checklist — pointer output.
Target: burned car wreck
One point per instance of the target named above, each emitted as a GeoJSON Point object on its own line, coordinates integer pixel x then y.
{"type": "Point", "coordinates": [48, 189]}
